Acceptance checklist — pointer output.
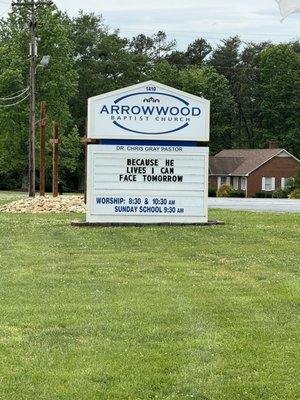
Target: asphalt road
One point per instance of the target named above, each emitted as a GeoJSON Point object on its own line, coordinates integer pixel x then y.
{"type": "Point", "coordinates": [272, 205]}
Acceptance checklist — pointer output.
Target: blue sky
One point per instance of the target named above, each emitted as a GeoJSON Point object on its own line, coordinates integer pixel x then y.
{"type": "Point", "coordinates": [185, 20]}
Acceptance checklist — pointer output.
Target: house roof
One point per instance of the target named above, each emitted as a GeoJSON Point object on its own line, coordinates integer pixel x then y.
{"type": "Point", "coordinates": [224, 165]}
{"type": "Point", "coordinates": [240, 162]}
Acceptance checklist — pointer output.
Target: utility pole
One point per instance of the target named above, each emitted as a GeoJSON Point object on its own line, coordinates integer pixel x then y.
{"type": "Point", "coordinates": [32, 71]}
{"type": "Point", "coordinates": [32, 6]}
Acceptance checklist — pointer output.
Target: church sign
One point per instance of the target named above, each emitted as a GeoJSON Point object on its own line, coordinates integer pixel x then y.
{"type": "Point", "coordinates": [148, 111]}
{"type": "Point", "coordinates": [147, 167]}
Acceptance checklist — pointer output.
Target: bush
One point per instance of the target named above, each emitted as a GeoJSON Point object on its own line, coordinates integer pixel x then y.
{"type": "Point", "coordinates": [237, 193]}
{"type": "Point", "coordinates": [297, 178]}
{"type": "Point", "coordinates": [259, 195]}
{"type": "Point", "coordinates": [295, 194]}
{"type": "Point", "coordinates": [263, 195]}
{"type": "Point", "coordinates": [10, 182]}
{"type": "Point", "coordinates": [224, 191]}
{"type": "Point", "coordinates": [289, 185]}
{"type": "Point", "coordinates": [280, 194]}
{"type": "Point", "coordinates": [212, 192]}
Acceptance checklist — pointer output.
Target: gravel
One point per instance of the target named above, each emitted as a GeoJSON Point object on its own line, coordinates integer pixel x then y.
{"type": "Point", "coordinates": [47, 204]}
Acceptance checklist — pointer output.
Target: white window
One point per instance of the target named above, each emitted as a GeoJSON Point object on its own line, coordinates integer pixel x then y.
{"type": "Point", "coordinates": [268, 184]}
{"type": "Point", "coordinates": [244, 183]}
{"type": "Point", "coordinates": [236, 182]}
{"type": "Point", "coordinates": [223, 180]}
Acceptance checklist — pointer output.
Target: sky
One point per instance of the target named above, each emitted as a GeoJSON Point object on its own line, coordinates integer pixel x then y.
{"type": "Point", "coordinates": [185, 20]}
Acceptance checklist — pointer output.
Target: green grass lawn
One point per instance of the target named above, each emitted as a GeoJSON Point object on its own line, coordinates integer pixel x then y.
{"type": "Point", "coordinates": [6, 197]}
{"type": "Point", "coordinates": [205, 313]}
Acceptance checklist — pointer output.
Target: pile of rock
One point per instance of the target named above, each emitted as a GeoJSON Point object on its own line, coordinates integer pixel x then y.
{"type": "Point", "coordinates": [47, 204]}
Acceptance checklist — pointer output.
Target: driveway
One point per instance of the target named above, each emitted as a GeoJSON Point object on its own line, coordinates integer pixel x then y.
{"type": "Point", "coordinates": [273, 205]}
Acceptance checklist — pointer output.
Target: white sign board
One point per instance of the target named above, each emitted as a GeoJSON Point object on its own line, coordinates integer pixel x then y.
{"type": "Point", "coordinates": [149, 111]}
{"type": "Point", "coordinates": [147, 184]}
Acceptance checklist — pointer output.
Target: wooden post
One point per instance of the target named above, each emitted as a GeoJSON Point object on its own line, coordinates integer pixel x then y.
{"type": "Point", "coordinates": [55, 141]}
{"type": "Point", "coordinates": [42, 148]}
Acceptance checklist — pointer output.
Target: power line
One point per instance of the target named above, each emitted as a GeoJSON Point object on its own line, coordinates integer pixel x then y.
{"type": "Point", "coordinates": [14, 104]}
{"type": "Point", "coordinates": [15, 95]}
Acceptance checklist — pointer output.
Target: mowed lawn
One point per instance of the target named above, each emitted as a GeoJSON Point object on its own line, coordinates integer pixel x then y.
{"type": "Point", "coordinates": [204, 313]}
{"type": "Point", "coordinates": [6, 197]}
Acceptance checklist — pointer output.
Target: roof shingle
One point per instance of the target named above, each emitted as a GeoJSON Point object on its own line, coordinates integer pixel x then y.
{"type": "Point", "coordinates": [240, 162]}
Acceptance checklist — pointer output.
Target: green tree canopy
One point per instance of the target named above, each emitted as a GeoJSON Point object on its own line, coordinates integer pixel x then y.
{"type": "Point", "coordinates": [208, 83]}
{"type": "Point", "coordinates": [253, 87]}
{"type": "Point", "coordinates": [278, 93]}
{"type": "Point", "coordinates": [56, 84]}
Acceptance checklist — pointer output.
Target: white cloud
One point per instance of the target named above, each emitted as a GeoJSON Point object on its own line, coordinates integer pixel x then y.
{"type": "Point", "coordinates": [185, 20]}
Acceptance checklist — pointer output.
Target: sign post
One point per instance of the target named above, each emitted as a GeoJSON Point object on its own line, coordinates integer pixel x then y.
{"type": "Point", "coordinates": [149, 167]}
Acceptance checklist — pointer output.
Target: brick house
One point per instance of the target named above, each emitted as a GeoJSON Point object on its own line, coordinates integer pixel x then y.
{"type": "Point", "coordinates": [252, 170]}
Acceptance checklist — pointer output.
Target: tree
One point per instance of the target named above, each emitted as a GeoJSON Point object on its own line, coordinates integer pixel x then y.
{"type": "Point", "coordinates": [165, 73]}
{"type": "Point", "coordinates": [198, 51]}
{"type": "Point", "coordinates": [225, 59]}
{"type": "Point", "coordinates": [208, 83]}
{"type": "Point", "coordinates": [247, 129]}
{"type": "Point", "coordinates": [178, 59]}
{"type": "Point", "coordinates": [254, 88]}
{"type": "Point", "coordinates": [104, 62]}
{"type": "Point", "coordinates": [71, 163]}
{"type": "Point", "coordinates": [156, 47]}
{"type": "Point", "coordinates": [278, 96]}
{"type": "Point", "coordinates": [87, 31]}
{"type": "Point", "coordinates": [13, 136]}
{"type": "Point", "coordinates": [56, 84]}
{"type": "Point", "coordinates": [296, 46]}
{"type": "Point", "coordinates": [142, 44]}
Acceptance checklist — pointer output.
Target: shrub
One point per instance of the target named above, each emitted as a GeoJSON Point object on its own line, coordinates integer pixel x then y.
{"type": "Point", "coordinates": [295, 194]}
{"type": "Point", "coordinates": [289, 185]}
{"type": "Point", "coordinates": [224, 191]}
{"type": "Point", "coordinates": [297, 178]}
{"type": "Point", "coordinates": [212, 192]}
{"type": "Point", "coordinates": [280, 194]}
{"type": "Point", "coordinates": [263, 195]}
{"type": "Point", "coordinates": [237, 193]}
{"type": "Point", "coordinates": [260, 195]}
{"type": "Point", "coordinates": [10, 182]}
